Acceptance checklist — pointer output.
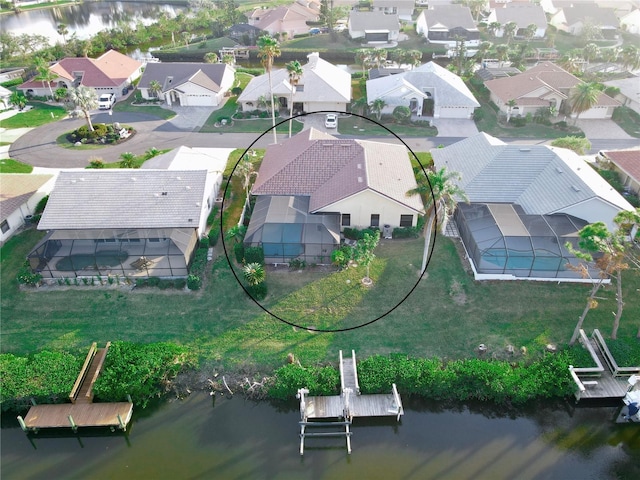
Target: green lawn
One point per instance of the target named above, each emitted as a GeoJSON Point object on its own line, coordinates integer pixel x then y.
{"type": "Point", "coordinates": [354, 125]}
{"type": "Point", "coordinates": [8, 165]}
{"type": "Point", "coordinates": [448, 314]}
{"type": "Point", "coordinates": [628, 120]}
{"type": "Point", "coordinates": [150, 109]}
{"type": "Point", "coordinates": [40, 114]}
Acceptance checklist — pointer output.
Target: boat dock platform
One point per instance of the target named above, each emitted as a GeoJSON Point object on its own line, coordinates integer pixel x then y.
{"type": "Point", "coordinates": [345, 407]}
{"type": "Point", "coordinates": [81, 412]}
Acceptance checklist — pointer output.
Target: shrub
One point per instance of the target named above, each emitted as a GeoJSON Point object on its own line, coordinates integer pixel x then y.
{"type": "Point", "coordinates": [238, 251]}
{"type": "Point", "coordinates": [153, 281]}
{"type": "Point", "coordinates": [580, 145]}
{"type": "Point", "coordinates": [41, 204]}
{"type": "Point", "coordinates": [297, 264]}
{"type": "Point", "coordinates": [26, 276]}
{"type": "Point", "coordinates": [214, 234]}
{"type": "Point", "coordinates": [194, 282]}
{"type": "Point", "coordinates": [518, 121]}
{"type": "Point", "coordinates": [236, 90]}
{"type": "Point", "coordinates": [253, 255]}
{"type": "Point", "coordinates": [258, 291]}
{"type": "Point", "coordinates": [406, 232]}
{"type": "Point", "coordinates": [212, 215]}
{"type": "Point", "coordinates": [165, 283]}
{"type": "Point", "coordinates": [204, 242]}
{"type": "Point", "coordinates": [180, 283]}
{"type": "Point", "coordinates": [318, 380]}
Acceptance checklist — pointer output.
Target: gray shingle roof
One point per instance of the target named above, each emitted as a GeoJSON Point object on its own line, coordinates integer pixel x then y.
{"type": "Point", "coordinates": [542, 179]}
{"type": "Point", "coordinates": [361, 21]}
{"type": "Point", "coordinates": [16, 189]}
{"type": "Point", "coordinates": [522, 14]}
{"type": "Point", "coordinates": [90, 199]}
{"type": "Point", "coordinates": [449, 16]}
{"type": "Point", "coordinates": [208, 75]}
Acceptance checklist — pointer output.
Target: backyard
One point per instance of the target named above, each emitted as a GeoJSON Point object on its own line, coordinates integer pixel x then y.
{"type": "Point", "coordinates": [447, 315]}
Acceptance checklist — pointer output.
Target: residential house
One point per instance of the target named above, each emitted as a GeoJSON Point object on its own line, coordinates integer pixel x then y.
{"type": "Point", "coordinates": [630, 22]}
{"type": "Point", "coordinates": [5, 97]}
{"type": "Point", "coordinates": [374, 28]}
{"type": "Point", "coordinates": [402, 8]}
{"type": "Point", "coordinates": [136, 223]}
{"type": "Point", "coordinates": [312, 185]}
{"type": "Point", "coordinates": [322, 86]}
{"type": "Point", "coordinates": [627, 164]}
{"type": "Point", "coordinates": [286, 20]}
{"type": "Point", "coordinates": [523, 14]}
{"type": "Point", "coordinates": [19, 197]}
{"type": "Point", "coordinates": [629, 94]}
{"type": "Point", "coordinates": [429, 90]}
{"type": "Point", "coordinates": [188, 84]}
{"type": "Point", "coordinates": [573, 18]}
{"type": "Point", "coordinates": [545, 85]}
{"type": "Point", "coordinates": [525, 203]}
{"type": "Point", "coordinates": [111, 72]}
{"type": "Point", "coordinates": [444, 24]}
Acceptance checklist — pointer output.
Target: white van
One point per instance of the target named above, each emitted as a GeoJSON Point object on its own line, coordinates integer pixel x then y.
{"type": "Point", "coordinates": [106, 101]}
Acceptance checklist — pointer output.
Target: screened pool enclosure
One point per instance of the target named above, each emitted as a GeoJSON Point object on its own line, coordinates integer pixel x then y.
{"type": "Point", "coordinates": [501, 239]}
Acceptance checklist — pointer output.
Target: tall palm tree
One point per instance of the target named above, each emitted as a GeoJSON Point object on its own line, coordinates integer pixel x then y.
{"type": "Point", "coordinates": [509, 31]}
{"type": "Point", "coordinates": [530, 31]}
{"type": "Point", "coordinates": [268, 49]}
{"type": "Point", "coordinates": [211, 57]}
{"type": "Point", "coordinates": [377, 106]}
{"type": "Point", "coordinates": [245, 170]}
{"type": "Point", "coordinates": [511, 103]}
{"type": "Point", "coordinates": [360, 105]}
{"type": "Point", "coordinates": [63, 31]}
{"type": "Point", "coordinates": [493, 28]}
{"type": "Point", "coordinates": [363, 57]}
{"type": "Point", "coordinates": [630, 57]}
{"type": "Point", "coordinates": [44, 73]}
{"type": "Point", "coordinates": [155, 88]}
{"type": "Point", "coordinates": [86, 99]}
{"type": "Point", "coordinates": [415, 57]}
{"type": "Point", "coordinates": [590, 52]}
{"type": "Point", "coordinates": [294, 69]}
{"type": "Point", "coordinates": [502, 52]}
{"type": "Point", "coordinates": [483, 49]}
{"type": "Point", "coordinates": [584, 96]}
{"type": "Point", "coordinates": [378, 56]}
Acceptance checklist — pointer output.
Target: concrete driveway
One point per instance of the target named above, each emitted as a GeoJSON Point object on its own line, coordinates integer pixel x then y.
{"type": "Point", "coordinates": [187, 119]}
{"type": "Point", "coordinates": [455, 127]}
{"type": "Point", "coordinates": [601, 129]}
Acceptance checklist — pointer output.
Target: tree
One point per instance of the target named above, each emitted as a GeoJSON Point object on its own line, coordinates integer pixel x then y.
{"type": "Point", "coordinates": [18, 99]}
{"type": "Point", "coordinates": [63, 31]}
{"type": "Point", "coordinates": [360, 105]}
{"type": "Point", "coordinates": [572, 61]}
{"type": "Point", "coordinates": [530, 31]}
{"type": "Point", "coordinates": [363, 252]}
{"type": "Point", "coordinates": [294, 69]}
{"type": "Point", "coordinates": [630, 57]}
{"type": "Point", "coordinates": [254, 273]}
{"type": "Point", "coordinates": [590, 52]}
{"type": "Point", "coordinates": [378, 56]}
{"type": "Point", "coordinates": [590, 31]}
{"type": "Point", "coordinates": [502, 52]}
{"type": "Point", "coordinates": [154, 88]}
{"type": "Point", "coordinates": [363, 57]}
{"type": "Point", "coordinates": [402, 114]}
{"type": "Point", "coordinates": [510, 104]}
{"type": "Point", "coordinates": [186, 38]}
{"type": "Point", "coordinates": [245, 170]}
{"type": "Point", "coordinates": [483, 49]}
{"type": "Point", "coordinates": [228, 59]}
{"type": "Point", "coordinates": [44, 73]}
{"type": "Point", "coordinates": [579, 145]}
{"type": "Point", "coordinates": [509, 31]}
{"type": "Point", "coordinates": [609, 55]}
{"type": "Point", "coordinates": [475, 6]}
{"type": "Point", "coordinates": [329, 14]}
{"type": "Point", "coordinates": [268, 49]}
{"type": "Point", "coordinates": [236, 233]}
{"type": "Point", "coordinates": [211, 57]}
{"type": "Point", "coordinates": [86, 99]}
{"type": "Point", "coordinates": [127, 161]}
{"type": "Point", "coordinates": [414, 57]}
{"type": "Point", "coordinates": [584, 96]}
{"type": "Point", "coordinates": [377, 106]}
{"type": "Point", "coordinates": [493, 28]}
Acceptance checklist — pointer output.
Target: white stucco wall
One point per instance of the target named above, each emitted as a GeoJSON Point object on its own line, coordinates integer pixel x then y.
{"type": "Point", "coordinates": [594, 210]}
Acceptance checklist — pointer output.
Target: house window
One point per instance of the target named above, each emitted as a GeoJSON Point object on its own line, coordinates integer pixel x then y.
{"type": "Point", "coordinates": [375, 219]}
{"type": "Point", "coordinates": [406, 220]}
{"type": "Point", "coordinates": [5, 226]}
{"type": "Point", "coordinates": [346, 219]}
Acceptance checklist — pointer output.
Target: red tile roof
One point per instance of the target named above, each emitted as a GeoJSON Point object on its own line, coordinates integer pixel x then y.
{"type": "Point", "coordinates": [626, 160]}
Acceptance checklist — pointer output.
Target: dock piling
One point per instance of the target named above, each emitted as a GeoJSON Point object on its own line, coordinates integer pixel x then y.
{"type": "Point", "coordinates": [22, 424]}
{"type": "Point", "coordinates": [74, 427]}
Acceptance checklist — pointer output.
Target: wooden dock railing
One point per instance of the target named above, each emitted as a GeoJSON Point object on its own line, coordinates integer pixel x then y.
{"type": "Point", "coordinates": [355, 372]}
{"type": "Point", "coordinates": [83, 372]}
{"type": "Point", "coordinates": [616, 370]}
{"type": "Point", "coordinates": [590, 371]}
{"type": "Point", "coordinates": [96, 373]}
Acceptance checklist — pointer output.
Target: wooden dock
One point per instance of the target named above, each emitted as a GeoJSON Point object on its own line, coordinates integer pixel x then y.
{"type": "Point", "coordinates": [81, 412]}
{"type": "Point", "coordinates": [604, 381]}
{"type": "Point", "coordinates": [345, 407]}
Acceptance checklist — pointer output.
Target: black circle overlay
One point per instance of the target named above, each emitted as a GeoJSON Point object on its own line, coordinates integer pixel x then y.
{"type": "Point", "coordinates": [288, 322]}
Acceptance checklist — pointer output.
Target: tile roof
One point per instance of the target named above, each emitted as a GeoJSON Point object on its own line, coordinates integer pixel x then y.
{"type": "Point", "coordinates": [542, 179]}
{"type": "Point", "coordinates": [629, 87]}
{"type": "Point", "coordinates": [448, 17]}
{"type": "Point", "coordinates": [626, 160]}
{"type": "Point", "coordinates": [523, 14]}
{"type": "Point", "coordinates": [545, 77]}
{"type": "Point", "coordinates": [328, 169]}
{"type": "Point", "coordinates": [605, 17]}
{"type": "Point", "coordinates": [173, 75]}
{"type": "Point", "coordinates": [361, 21]}
{"type": "Point", "coordinates": [321, 82]}
{"type": "Point", "coordinates": [450, 89]}
{"type": "Point", "coordinates": [90, 199]}
{"type": "Point", "coordinates": [16, 189]}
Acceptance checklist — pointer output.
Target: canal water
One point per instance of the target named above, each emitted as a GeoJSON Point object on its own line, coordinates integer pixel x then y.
{"type": "Point", "coordinates": [238, 439]}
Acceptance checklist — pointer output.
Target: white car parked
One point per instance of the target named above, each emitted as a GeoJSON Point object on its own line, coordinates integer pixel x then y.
{"type": "Point", "coordinates": [331, 120]}
{"type": "Point", "coordinates": [106, 101]}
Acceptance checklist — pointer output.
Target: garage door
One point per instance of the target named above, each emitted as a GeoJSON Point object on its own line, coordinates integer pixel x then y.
{"type": "Point", "coordinates": [198, 101]}
{"type": "Point", "coordinates": [376, 37]}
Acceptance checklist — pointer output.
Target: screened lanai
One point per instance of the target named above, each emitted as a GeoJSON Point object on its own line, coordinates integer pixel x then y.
{"type": "Point", "coordinates": [285, 230]}
{"type": "Point", "coordinates": [502, 239]}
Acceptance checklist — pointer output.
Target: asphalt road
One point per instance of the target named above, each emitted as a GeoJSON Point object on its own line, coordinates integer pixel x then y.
{"type": "Point", "coordinates": [38, 147]}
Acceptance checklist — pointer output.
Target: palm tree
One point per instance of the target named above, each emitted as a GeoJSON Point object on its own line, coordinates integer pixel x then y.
{"type": "Point", "coordinates": [228, 59]}
{"type": "Point", "coordinates": [154, 88]}
{"type": "Point", "coordinates": [236, 233]}
{"type": "Point", "coordinates": [571, 61]}
{"type": "Point", "coordinates": [294, 69]}
{"type": "Point", "coordinates": [186, 37]}
{"type": "Point", "coordinates": [483, 49]}
{"type": "Point", "coordinates": [211, 57]}
{"type": "Point", "coordinates": [415, 57]}
{"type": "Point", "coordinates": [86, 99]}
{"type": "Point", "coordinates": [44, 73]}
{"type": "Point", "coordinates": [363, 57]}
{"type": "Point", "coordinates": [502, 52]}
{"type": "Point", "coordinates": [530, 31]}
{"type": "Point", "coordinates": [610, 55]}
{"type": "Point", "coordinates": [245, 170]}
{"type": "Point", "coordinates": [509, 31]}
{"type": "Point", "coordinates": [630, 57]}
{"type": "Point", "coordinates": [127, 159]}
{"type": "Point", "coordinates": [378, 55]}
{"type": "Point", "coordinates": [63, 31]}
{"type": "Point", "coordinates": [377, 106]}
{"type": "Point", "coordinates": [590, 52]}
{"type": "Point", "coordinates": [360, 105]}
{"type": "Point", "coordinates": [254, 273]}
{"type": "Point", "coordinates": [18, 99]}
{"type": "Point", "coordinates": [493, 28]}
{"type": "Point", "coordinates": [268, 49]}
{"type": "Point", "coordinates": [584, 96]}
{"type": "Point", "coordinates": [511, 103]}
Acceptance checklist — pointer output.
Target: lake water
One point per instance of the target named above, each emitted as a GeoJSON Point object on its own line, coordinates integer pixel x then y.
{"type": "Point", "coordinates": [236, 439]}
{"type": "Point", "coordinates": [84, 19]}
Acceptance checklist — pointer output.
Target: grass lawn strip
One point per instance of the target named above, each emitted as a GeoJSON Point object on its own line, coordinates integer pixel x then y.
{"type": "Point", "coordinates": [41, 114]}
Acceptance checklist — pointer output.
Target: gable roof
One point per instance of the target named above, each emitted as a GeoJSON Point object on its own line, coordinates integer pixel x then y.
{"type": "Point", "coordinates": [450, 89]}
{"type": "Point", "coordinates": [362, 21]}
{"type": "Point", "coordinates": [522, 14]}
{"type": "Point", "coordinates": [125, 199]}
{"type": "Point", "coordinates": [546, 76]}
{"type": "Point", "coordinates": [541, 179]}
{"type": "Point", "coordinates": [173, 75]}
{"type": "Point", "coordinates": [16, 189]}
{"type": "Point", "coordinates": [446, 17]}
{"type": "Point", "coordinates": [191, 158]}
{"type": "Point", "coordinates": [109, 70]}
{"type": "Point", "coordinates": [626, 160]}
{"type": "Point", "coordinates": [328, 169]}
{"type": "Point", "coordinates": [629, 87]}
{"type": "Point", "coordinates": [576, 13]}
{"type": "Point", "coordinates": [265, 18]}
{"type": "Point", "coordinates": [321, 81]}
